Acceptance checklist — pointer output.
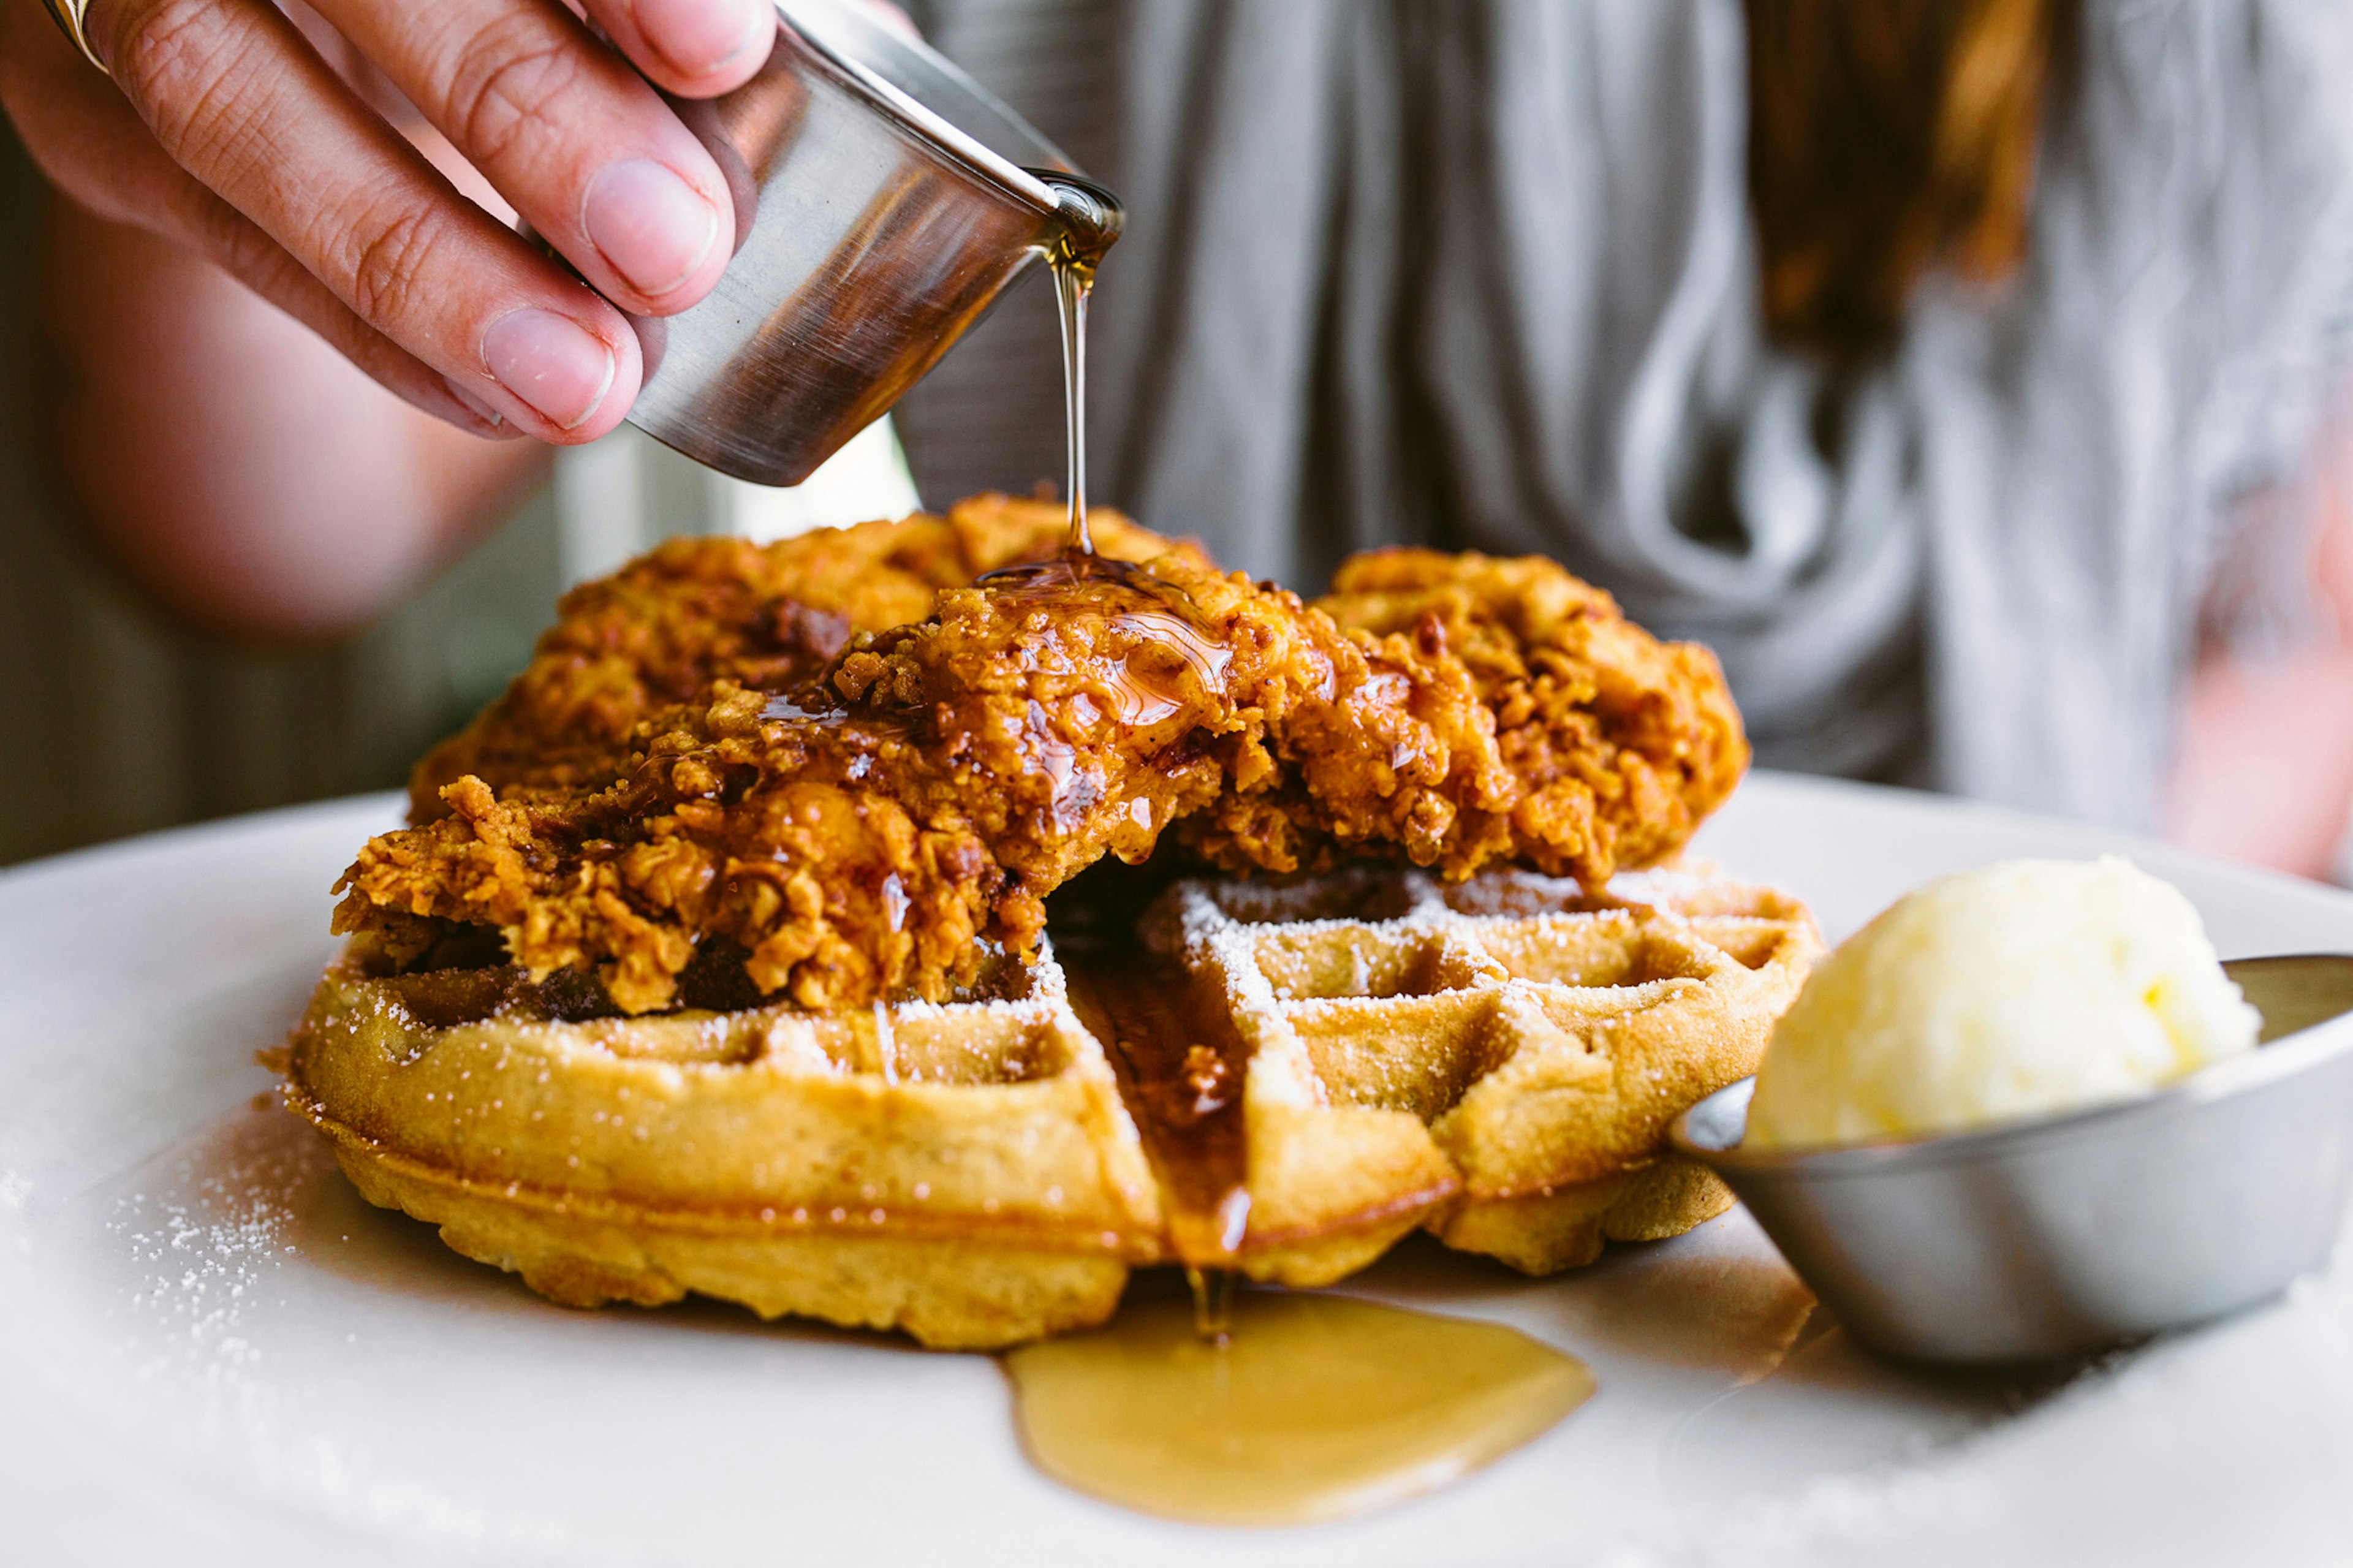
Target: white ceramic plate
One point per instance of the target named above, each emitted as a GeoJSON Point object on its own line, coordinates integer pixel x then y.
{"type": "Point", "coordinates": [210, 1347]}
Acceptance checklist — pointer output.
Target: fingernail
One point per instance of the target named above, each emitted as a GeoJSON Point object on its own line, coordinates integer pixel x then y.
{"type": "Point", "coordinates": [551, 361]}
{"type": "Point", "coordinates": [648, 223]}
{"type": "Point", "coordinates": [473, 402]}
{"type": "Point", "coordinates": [694, 35]}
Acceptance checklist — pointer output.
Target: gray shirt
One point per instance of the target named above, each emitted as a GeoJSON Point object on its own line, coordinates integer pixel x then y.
{"type": "Point", "coordinates": [1479, 273]}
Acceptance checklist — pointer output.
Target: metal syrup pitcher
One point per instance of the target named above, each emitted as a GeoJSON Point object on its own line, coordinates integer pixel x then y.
{"type": "Point", "coordinates": [884, 199]}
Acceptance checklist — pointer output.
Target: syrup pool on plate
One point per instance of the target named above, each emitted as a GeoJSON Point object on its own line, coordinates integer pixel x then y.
{"type": "Point", "coordinates": [1312, 1407]}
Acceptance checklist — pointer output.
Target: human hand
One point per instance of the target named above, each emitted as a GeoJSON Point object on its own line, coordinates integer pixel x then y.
{"type": "Point", "coordinates": [227, 131]}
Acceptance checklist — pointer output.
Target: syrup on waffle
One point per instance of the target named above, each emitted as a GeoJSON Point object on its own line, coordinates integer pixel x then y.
{"type": "Point", "coordinates": [1283, 1081]}
{"type": "Point", "coordinates": [1496, 1060]}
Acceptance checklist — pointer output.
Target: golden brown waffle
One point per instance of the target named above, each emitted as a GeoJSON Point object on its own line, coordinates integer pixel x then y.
{"type": "Point", "coordinates": [1495, 1060]}
{"type": "Point", "coordinates": [1356, 1055]}
{"type": "Point", "coordinates": [963, 1171]}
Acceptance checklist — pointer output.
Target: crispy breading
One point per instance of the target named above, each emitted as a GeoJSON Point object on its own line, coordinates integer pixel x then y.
{"type": "Point", "coordinates": [1621, 744]}
{"type": "Point", "coordinates": [879, 830]}
{"type": "Point", "coordinates": [866, 835]}
{"type": "Point", "coordinates": [769, 616]}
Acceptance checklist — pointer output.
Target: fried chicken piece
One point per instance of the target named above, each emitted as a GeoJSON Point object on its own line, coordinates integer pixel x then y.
{"type": "Point", "coordinates": [885, 827]}
{"type": "Point", "coordinates": [866, 836]}
{"type": "Point", "coordinates": [1620, 744]}
{"type": "Point", "coordinates": [692, 611]}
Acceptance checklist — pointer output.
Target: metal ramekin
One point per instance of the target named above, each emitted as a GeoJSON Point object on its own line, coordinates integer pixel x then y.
{"type": "Point", "coordinates": [2062, 1235]}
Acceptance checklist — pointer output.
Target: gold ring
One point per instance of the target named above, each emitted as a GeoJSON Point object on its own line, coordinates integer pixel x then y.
{"type": "Point", "coordinates": [68, 16]}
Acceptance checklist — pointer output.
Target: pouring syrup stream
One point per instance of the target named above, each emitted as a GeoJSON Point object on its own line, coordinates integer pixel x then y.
{"type": "Point", "coordinates": [1091, 219]}
{"type": "Point", "coordinates": [1072, 284]}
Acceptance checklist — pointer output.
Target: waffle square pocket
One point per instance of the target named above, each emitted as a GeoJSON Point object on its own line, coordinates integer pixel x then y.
{"type": "Point", "coordinates": [1496, 1061]}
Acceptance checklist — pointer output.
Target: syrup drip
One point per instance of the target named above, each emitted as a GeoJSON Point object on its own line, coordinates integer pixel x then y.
{"type": "Point", "coordinates": [1213, 1303]}
{"type": "Point", "coordinates": [1145, 688]}
{"type": "Point", "coordinates": [1183, 1068]}
{"type": "Point", "coordinates": [1071, 286]}
{"type": "Point", "coordinates": [1091, 219]}
{"type": "Point", "coordinates": [1314, 1408]}
{"type": "Point", "coordinates": [871, 723]}
{"type": "Point", "coordinates": [1240, 1406]}
{"type": "Point", "coordinates": [1115, 584]}
{"type": "Point", "coordinates": [1169, 666]}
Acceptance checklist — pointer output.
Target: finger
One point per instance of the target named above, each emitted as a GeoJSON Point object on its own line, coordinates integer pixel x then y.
{"type": "Point", "coordinates": [233, 243]}
{"type": "Point", "coordinates": [95, 149]}
{"type": "Point", "coordinates": [695, 48]}
{"type": "Point", "coordinates": [235, 97]}
{"type": "Point", "coordinates": [580, 143]}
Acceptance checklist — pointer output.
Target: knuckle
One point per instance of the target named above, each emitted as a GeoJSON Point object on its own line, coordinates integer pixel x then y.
{"type": "Point", "coordinates": [184, 71]}
{"type": "Point", "coordinates": [510, 81]}
{"type": "Point", "coordinates": [389, 260]}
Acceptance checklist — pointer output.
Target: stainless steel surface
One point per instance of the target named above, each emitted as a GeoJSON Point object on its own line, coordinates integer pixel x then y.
{"type": "Point", "coordinates": [2059, 1236]}
{"type": "Point", "coordinates": [882, 204]}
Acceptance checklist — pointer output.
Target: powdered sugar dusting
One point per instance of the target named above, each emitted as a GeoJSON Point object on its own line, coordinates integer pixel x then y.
{"type": "Point", "coordinates": [214, 1239]}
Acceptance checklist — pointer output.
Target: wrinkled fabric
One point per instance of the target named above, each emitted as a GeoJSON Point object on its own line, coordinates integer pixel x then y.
{"type": "Point", "coordinates": [1479, 274]}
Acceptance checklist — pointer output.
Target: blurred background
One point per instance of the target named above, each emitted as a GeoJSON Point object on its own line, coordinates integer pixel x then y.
{"type": "Point", "coordinates": [1970, 373]}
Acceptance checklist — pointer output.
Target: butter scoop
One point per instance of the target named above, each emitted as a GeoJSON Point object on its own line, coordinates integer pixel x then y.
{"type": "Point", "coordinates": [2016, 990]}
